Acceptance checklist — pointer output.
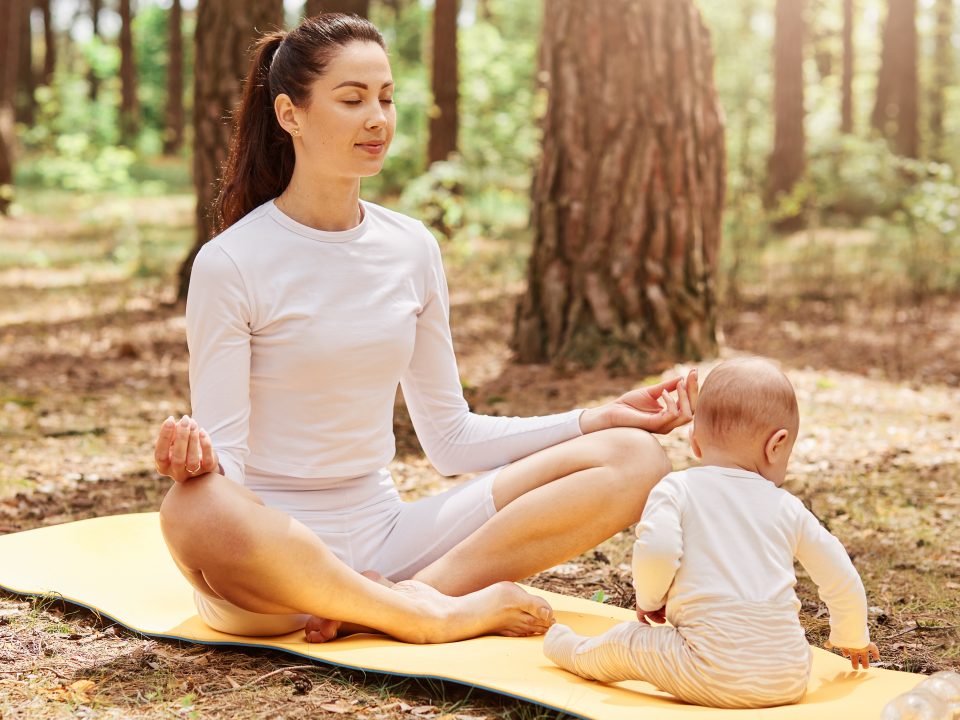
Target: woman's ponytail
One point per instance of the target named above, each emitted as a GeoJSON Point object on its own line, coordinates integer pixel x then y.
{"type": "Point", "coordinates": [260, 161]}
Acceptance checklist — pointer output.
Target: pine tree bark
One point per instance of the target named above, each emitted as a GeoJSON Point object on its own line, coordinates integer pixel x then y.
{"type": "Point", "coordinates": [174, 121]}
{"type": "Point", "coordinates": [49, 43]}
{"type": "Point", "coordinates": [10, 19]}
{"type": "Point", "coordinates": [444, 117]}
{"type": "Point", "coordinates": [93, 82]}
{"type": "Point", "coordinates": [350, 7]}
{"type": "Point", "coordinates": [846, 103]}
{"type": "Point", "coordinates": [226, 30]}
{"type": "Point", "coordinates": [628, 196]}
{"type": "Point", "coordinates": [895, 113]}
{"type": "Point", "coordinates": [788, 158]}
{"type": "Point", "coordinates": [943, 72]}
{"type": "Point", "coordinates": [26, 104]}
{"type": "Point", "coordinates": [129, 107]}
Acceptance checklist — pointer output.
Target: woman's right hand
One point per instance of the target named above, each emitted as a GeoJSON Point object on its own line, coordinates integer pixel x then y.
{"type": "Point", "coordinates": [184, 450]}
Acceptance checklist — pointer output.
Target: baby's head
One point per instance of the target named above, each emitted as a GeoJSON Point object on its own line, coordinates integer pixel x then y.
{"type": "Point", "coordinates": [747, 414]}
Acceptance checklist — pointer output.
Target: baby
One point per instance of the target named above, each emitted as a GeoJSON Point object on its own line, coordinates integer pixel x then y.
{"type": "Point", "coordinates": [714, 555]}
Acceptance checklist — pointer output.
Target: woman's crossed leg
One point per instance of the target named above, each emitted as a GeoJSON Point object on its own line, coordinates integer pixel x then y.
{"type": "Point", "coordinates": [230, 545]}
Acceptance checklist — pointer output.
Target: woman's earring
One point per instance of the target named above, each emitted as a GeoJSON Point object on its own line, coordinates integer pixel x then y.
{"type": "Point", "coordinates": [296, 132]}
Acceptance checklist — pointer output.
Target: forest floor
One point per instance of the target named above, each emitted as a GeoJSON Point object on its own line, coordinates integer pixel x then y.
{"type": "Point", "coordinates": [93, 357]}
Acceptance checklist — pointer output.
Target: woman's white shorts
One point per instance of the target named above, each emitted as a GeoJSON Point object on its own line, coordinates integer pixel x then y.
{"type": "Point", "coordinates": [364, 523]}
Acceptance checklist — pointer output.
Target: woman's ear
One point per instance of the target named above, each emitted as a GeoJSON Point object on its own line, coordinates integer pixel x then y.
{"type": "Point", "coordinates": [777, 444]}
{"type": "Point", "coordinates": [286, 113]}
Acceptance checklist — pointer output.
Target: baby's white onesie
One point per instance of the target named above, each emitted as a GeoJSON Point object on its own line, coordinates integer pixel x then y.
{"type": "Point", "coordinates": [716, 547]}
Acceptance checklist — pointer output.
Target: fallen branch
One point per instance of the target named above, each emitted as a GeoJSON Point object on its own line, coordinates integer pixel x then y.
{"type": "Point", "coordinates": [260, 679]}
{"type": "Point", "coordinates": [923, 628]}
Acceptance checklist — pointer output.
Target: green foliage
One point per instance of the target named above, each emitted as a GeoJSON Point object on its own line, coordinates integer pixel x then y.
{"type": "Point", "coordinates": [64, 107]}
{"type": "Point", "coordinates": [152, 59]}
{"type": "Point", "coordinates": [404, 33]}
{"type": "Point", "coordinates": [77, 164]}
{"type": "Point", "coordinates": [436, 197]}
{"type": "Point", "coordinates": [499, 107]}
{"type": "Point", "coordinates": [74, 144]}
{"type": "Point", "coordinates": [484, 190]}
{"type": "Point", "coordinates": [852, 178]}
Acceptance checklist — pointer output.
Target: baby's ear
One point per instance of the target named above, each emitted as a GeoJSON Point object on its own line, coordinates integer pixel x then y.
{"type": "Point", "coordinates": [777, 444]}
{"type": "Point", "coordinates": [694, 445]}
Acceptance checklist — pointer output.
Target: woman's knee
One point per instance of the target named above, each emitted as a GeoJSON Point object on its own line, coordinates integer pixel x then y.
{"type": "Point", "coordinates": [637, 455]}
{"type": "Point", "coordinates": [199, 503]}
{"type": "Point", "coordinates": [183, 499]}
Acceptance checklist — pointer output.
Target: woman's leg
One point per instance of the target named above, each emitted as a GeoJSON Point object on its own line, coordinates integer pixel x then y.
{"type": "Point", "coordinates": [554, 505]}
{"type": "Point", "coordinates": [228, 544]}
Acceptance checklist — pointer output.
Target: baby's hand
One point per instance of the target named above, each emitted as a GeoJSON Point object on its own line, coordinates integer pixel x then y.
{"type": "Point", "coordinates": [858, 656]}
{"type": "Point", "coordinates": [656, 617]}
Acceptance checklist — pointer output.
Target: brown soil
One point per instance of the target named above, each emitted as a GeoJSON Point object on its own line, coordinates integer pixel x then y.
{"type": "Point", "coordinates": [92, 359]}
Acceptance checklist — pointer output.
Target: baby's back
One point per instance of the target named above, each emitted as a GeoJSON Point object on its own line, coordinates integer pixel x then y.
{"type": "Point", "coordinates": [739, 532]}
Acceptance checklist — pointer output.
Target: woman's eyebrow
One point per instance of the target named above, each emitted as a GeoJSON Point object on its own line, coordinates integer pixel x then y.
{"type": "Point", "coordinates": [355, 83]}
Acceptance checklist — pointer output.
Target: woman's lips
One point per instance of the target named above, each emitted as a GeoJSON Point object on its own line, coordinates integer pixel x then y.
{"type": "Point", "coordinates": [371, 148]}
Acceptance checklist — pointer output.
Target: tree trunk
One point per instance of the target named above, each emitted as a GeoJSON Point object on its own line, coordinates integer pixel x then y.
{"type": "Point", "coordinates": [629, 193]}
{"type": "Point", "coordinates": [350, 7]}
{"type": "Point", "coordinates": [49, 42]}
{"type": "Point", "coordinates": [129, 107]}
{"type": "Point", "coordinates": [788, 159]}
{"type": "Point", "coordinates": [92, 80]}
{"type": "Point", "coordinates": [25, 103]}
{"type": "Point", "coordinates": [846, 109]}
{"type": "Point", "coordinates": [942, 76]}
{"type": "Point", "coordinates": [895, 111]}
{"type": "Point", "coordinates": [444, 120]}
{"type": "Point", "coordinates": [173, 132]}
{"type": "Point", "coordinates": [226, 29]}
{"type": "Point", "coordinates": [10, 19]}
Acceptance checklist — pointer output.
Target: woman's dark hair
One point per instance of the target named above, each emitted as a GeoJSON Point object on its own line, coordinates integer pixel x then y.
{"type": "Point", "coordinates": [260, 162]}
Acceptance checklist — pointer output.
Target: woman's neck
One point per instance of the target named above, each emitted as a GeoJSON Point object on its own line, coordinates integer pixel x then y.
{"type": "Point", "coordinates": [333, 205]}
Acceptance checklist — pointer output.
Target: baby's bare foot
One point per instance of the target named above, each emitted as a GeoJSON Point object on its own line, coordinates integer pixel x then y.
{"type": "Point", "coordinates": [320, 630]}
{"type": "Point", "coordinates": [501, 609]}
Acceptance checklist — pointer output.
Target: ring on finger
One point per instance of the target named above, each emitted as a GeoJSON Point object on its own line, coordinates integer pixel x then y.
{"type": "Point", "coordinates": [196, 469]}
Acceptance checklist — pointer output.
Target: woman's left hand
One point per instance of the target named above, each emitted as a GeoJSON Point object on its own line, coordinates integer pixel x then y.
{"type": "Point", "coordinates": [651, 408]}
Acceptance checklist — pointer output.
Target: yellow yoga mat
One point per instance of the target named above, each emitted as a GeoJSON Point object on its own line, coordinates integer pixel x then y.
{"type": "Point", "coordinates": [120, 567]}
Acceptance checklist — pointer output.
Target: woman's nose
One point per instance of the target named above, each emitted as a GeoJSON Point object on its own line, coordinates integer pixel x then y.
{"type": "Point", "coordinates": [377, 118]}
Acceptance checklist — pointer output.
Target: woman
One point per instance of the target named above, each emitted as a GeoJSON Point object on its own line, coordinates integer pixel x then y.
{"type": "Point", "coordinates": [303, 316]}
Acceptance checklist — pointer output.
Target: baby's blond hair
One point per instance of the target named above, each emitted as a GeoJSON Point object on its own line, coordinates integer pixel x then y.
{"type": "Point", "coordinates": [746, 398]}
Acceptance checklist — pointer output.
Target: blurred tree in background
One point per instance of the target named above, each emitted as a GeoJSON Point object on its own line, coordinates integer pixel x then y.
{"type": "Point", "coordinates": [444, 114]}
{"type": "Point", "coordinates": [25, 103]}
{"type": "Point", "coordinates": [350, 7]}
{"type": "Point", "coordinates": [129, 101]}
{"type": "Point", "coordinates": [174, 116]}
{"type": "Point", "coordinates": [895, 111]}
{"type": "Point", "coordinates": [10, 37]}
{"type": "Point", "coordinates": [786, 163]}
{"type": "Point", "coordinates": [846, 99]}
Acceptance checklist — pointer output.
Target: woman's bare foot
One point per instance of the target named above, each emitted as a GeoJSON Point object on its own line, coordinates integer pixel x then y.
{"type": "Point", "coordinates": [320, 630]}
{"type": "Point", "coordinates": [500, 609]}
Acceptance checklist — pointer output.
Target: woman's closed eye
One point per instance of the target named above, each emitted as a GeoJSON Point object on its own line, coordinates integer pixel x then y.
{"type": "Point", "coordinates": [385, 101]}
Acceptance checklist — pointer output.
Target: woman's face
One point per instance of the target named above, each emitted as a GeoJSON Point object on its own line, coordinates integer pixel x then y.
{"type": "Point", "coordinates": [348, 123]}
